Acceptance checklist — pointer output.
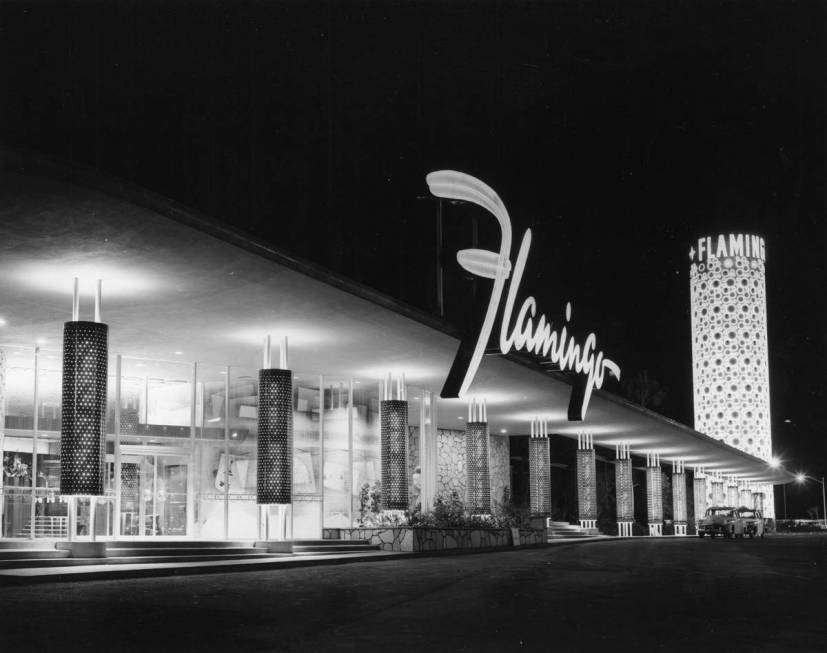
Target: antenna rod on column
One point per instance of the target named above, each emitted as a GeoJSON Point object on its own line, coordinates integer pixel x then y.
{"type": "Point", "coordinates": [283, 354]}
{"type": "Point", "coordinates": [75, 302]}
{"type": "Point", "coordinates": [266, 358]}
{"type": "Point", "coordinates": [98, 302]}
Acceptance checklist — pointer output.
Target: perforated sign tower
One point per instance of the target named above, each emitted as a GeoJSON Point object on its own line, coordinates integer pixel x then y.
{"type": "Point", "coordinates": [729, 343]}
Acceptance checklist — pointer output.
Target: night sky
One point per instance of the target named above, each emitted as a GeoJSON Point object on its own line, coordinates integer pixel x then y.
{"type": "Point", "coordinates": [619, 134]}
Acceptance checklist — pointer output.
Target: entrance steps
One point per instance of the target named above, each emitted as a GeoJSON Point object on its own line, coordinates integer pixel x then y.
{"type": "Point", "coordinates": [558, 530]}
{"type": "Point", "coordinates": [43, 554]}
{"type": "Point", "coordinates": [130, 552]}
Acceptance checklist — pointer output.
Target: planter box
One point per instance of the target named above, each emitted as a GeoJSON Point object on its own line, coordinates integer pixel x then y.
{"type": "Point", "coordinates": [439, 539]}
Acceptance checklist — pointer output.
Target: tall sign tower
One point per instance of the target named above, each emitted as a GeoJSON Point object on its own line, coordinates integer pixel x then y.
{"type": "Point", "coordinates": [729, 345]}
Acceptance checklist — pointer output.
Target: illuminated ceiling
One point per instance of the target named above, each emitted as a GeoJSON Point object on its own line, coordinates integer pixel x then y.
{"type": "Point", "coordinates": [173, 292]}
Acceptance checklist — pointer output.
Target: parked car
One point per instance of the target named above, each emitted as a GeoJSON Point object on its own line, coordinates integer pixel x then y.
{"type": "Point", "coordinates": [721, 520]}
{"type": "Point", "coordinates": [731, 522]}
{"type": "Point", "coordinates": [752, 522]}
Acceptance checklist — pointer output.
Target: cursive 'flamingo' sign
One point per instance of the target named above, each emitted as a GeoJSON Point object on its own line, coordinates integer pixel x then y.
{"type": "Point", "coordinates": [528, 331]}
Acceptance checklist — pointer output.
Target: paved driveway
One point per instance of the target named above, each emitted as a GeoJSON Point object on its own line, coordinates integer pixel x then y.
{"type": "Point", "coordinates": [644, 595]}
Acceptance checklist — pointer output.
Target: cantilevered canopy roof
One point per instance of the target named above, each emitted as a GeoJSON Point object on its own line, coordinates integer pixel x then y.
{"type": "Point", "coordinates": [175, 282]}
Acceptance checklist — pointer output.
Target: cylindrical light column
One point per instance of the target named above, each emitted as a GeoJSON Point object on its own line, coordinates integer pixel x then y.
{"type": "Point", "coordinates": [539, 470]}
{"type": "Point", "coordinates": [679, 497]}
{"type": "Point", "coordinates": [718, 496]}
{"type": "Point", "coordinates": [83, 412]}
{"type": "Point", "coordinates": [758, 501]}
{"type": "Point", "coordinates": [732, 492]}
{"type": "Point", "coordinates": [394, 444]}
{"type": "Point", "coordinates": [699, 494]}
{"type": "Point", "coordinates": [586, 481]}
{"type": "Point", "coordinates": [654, 494]}
{"type": "Point", "coordinates": [746, 495]}
{"type": "Point", "coordinates": [83, 421]}
{"type": "Point", "coordinates": [624, 491]}
{"type": "Point", "coordinates": [476, 459]}
{"type": "Point", "coordinates": [274, 466]}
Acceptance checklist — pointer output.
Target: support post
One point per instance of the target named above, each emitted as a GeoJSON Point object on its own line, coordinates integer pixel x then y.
{"type": "Point", "coordinates": [654, 494]}
{"type": "Point", "coordinates": [476, 460]}
{"type": "Point", "coordinates": [699, 494]}
{"type": "Point", "coordinates": [732, 492]}
{"type": "Point", "coordinates": [586, 481]}
{"type": "Point", "coordinates": [624, 490]}
{"type": "Point", "coordinates": [539, 468]}
{"type": "Point", "coordinates": [679, 497]}
{"type": "Point", "coordinates": [394, 446]}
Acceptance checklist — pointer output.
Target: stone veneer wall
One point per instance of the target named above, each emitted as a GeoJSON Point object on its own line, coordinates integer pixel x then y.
{"type": "Point", "coordinates": [414, 482]}
{"type": "Point", "coordinates": [439, 539]}
{"type": "Point", "coordinates": [500, 457]}
{"type": "Point", "coordinates": [451, 465]}
{"type": "Point", "coordinates": [450, 454]}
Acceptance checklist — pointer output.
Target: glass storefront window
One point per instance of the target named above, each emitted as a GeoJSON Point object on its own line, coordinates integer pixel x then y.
{"type": "Point", "coordinates": [336, 473]}
{"type": "Point", "coordinates": [181, 450]}
{"type": "Point", "coordinates": [307, 458]}
{"type": "Point", "coordinates": [367, 471]}
{"type": "Point", "coordinates": [210, 483]}
{"type": "Point", "coordinates": [156, 453]}
{"type": "Point", "coordinates": [239, 460]}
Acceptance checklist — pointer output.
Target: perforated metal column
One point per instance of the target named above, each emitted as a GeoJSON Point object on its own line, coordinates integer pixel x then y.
{"type": "Point", "coordinates": [275, 437]}
{"type": "Point", "coordinates": [394, 454]}
{"type": "Point", "coordinates": [624, 490]}
{"type": "Point", "coordinates": [679, 497]}
{"type": "Point", "coordinates": [476, 462]}
{"type": "Point", "coordinates": [699, 496]}
{"type": "Point", "coordinates": [717, 493]}
{"type": "Point", "coordinates": [586, 485]}
{"type": "Point", "coordinates": [539, 476]}
{"type": "Point", "coordinates": [746, 498]}
{"type": "Point", "coordinates": [654, 495]}
{"type": "Point", "coordinates": [83, 422]}
{"type": "Point", "coordinates": [758, 501]}
{"type": "Point", "coordinates": [732, 495]}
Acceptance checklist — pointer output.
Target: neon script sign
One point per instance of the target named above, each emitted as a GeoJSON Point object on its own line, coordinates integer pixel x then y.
{"type": "Point", "coordinates": [535, 334]}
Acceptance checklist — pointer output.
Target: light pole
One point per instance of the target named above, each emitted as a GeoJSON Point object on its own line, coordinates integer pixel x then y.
{"type": "Point", "coordinates": [803, 477]}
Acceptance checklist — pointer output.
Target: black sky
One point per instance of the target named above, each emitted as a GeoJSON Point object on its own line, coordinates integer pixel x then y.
{"type": "Point", "coordinates": [619, 132]}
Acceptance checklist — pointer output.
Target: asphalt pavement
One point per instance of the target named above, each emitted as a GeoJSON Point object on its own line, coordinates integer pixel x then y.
{"type": "Point", "coordinates": [646, 594]}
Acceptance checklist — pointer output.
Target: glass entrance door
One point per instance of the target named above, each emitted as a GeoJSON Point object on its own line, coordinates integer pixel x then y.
{"type": "Point", "coordinates": [154, 495]}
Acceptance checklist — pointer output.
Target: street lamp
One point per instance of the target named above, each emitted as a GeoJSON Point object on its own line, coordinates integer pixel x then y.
{"type": "Point", "coordinates": [801, 478]}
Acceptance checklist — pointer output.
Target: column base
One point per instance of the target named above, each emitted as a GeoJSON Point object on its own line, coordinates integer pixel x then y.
{"type": "Point", "coordinates": [655, 530]}
{"type": "Point", "coordinates": [680, 529]}
{"type": "Point", "coordinates": [624, 528]}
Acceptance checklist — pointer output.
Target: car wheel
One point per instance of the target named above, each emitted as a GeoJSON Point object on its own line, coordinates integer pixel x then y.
{"type": "Point", "coordinates": [700, 534]}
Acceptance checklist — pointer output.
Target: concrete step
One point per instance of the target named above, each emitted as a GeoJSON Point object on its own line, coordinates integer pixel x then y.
{"type": "Point", "coordinates": [29, 563]}
{"type": "Point", "coordinates": [99, 569]}
{"type": "Point", "coordinates": [172, 549]}
{"type": "Point", "coordinates": [178, 544]}
{"type": "Point", "coordinates": [32, 554]}
{"type": "Point", "coordinates": [27, 544]}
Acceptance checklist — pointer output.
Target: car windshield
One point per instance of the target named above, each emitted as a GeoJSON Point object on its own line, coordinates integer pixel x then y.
{"type": "Point", "coordinates": [747, 513]}
{"type": "Point", "coordinates": [720, 512]}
